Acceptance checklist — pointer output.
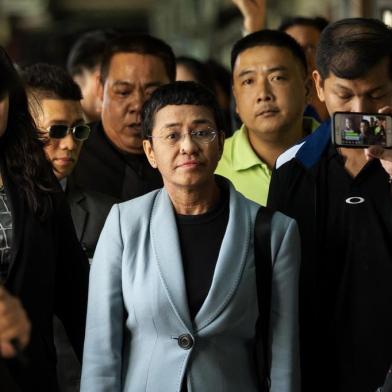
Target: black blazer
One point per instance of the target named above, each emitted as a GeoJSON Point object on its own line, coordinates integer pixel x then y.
{"type": "Point", "coordinates": [49, 274]}
{"type": "Point", "coordinates": [7, 384]}
{"type": "Point", "coordinates": [103, 168]}
{"type": "Point", "coordinates": [89, 211]}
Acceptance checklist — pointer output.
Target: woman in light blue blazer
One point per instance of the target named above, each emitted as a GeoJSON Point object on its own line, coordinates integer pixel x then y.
{"type": "Point", "coordinates": [172, 301]}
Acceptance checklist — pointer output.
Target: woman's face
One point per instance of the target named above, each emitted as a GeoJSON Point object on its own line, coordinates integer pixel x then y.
{"type": "Point", "coordinates": [187, 163]}
{"type": "Point", "coordinates": [4, 102]}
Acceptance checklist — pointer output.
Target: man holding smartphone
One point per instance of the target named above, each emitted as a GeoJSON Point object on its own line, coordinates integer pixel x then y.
{"type": "Point", "coordinates": [342, 201]}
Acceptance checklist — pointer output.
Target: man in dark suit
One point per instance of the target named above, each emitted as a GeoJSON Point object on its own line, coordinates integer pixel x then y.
{"type": "Point", "coordinates": [55, 104]}
{"type": "Point", "coordinates": [112, 160]}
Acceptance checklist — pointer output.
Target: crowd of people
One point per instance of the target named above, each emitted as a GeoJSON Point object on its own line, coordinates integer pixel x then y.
{"type": "Point", "coordinates": [148, 244]}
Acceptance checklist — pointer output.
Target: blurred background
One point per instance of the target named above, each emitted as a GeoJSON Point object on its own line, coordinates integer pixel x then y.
{"type": "Point", "coordinates": [44, 30]}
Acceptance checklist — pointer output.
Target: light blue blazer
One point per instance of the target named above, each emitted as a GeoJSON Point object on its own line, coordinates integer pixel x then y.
{"type": "Point", "coordinates": [138, 307]}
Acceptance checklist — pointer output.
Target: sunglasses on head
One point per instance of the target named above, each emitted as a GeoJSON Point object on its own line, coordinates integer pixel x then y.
{"type": "Point", "coordinates": [59, 131]}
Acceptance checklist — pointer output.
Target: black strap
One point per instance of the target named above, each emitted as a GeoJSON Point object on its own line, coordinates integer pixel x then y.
{"type": "Point", "coordinates": [263, 267]}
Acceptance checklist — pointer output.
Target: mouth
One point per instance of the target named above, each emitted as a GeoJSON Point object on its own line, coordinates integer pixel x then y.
{"type": "Point", "coordinates": [135, 128]}
{"type": "Point", "coordinates": [267, 112]}
{"type": "Point", "coordinates": [189, 164]}
{"type": "Point", "coordinates": [64, 161]}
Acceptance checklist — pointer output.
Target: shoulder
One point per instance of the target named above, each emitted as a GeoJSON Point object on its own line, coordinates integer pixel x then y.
{"type": "Point", "coordinates": [138, 208]}
{"type": "Point", "coordinates": [288, 155]}
{"type": "Point", "coordinates": [99, 200]}
{"type": "Point", "coordinates": [130, 218]}
{"type": "Point", "coordinates": [310, 150]}
{"type": "Point", "coordinates": [241, 201]}
{"type": "Point", "coordinates": [96, 141]}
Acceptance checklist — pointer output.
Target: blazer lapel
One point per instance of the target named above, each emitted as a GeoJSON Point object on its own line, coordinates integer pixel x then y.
{"type": "Point", "coordinates": [230, 263]}
{"type": "Point", "coordinates": [166, 246]}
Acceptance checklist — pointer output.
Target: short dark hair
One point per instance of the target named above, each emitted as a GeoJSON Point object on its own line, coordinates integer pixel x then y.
{"type": "Point", "coordinates": [199, 70]}
{"type": "Point", "coordinates": [47, 81]}
{"type": "Point", "coordinates": [179, 93]}
{"type": "Point", "coordinates": [349, 48]}
{"type": "Point", "coordinates": [268, 38]}
{"type": "Point", "coordinates": [318, 22]}
{"type": "Point", "coordinates": [141, 44]}
{"type": "Point", "coordinates": [86, 53]}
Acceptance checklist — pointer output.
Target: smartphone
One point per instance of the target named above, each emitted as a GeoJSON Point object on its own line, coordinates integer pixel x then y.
{"type": "Point", "coordinates": [361, 130]}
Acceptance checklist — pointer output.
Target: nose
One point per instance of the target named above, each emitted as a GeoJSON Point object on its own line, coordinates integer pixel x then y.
{"type": "Point", "coordinates": [68, 143]}
{"type": "Point", "coordinates": [264, 91]}
{"type": "Point", "coordinates": [136, 101]}
{"type": "Point", "coordinates": [187, 145]}
{"type": "Point", "coordinates": [361, 104]}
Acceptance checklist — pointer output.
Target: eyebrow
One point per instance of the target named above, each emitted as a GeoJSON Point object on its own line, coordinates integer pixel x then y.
{"type": "Point", "coordinates": [124, 83]}
{"type": "Point", "coordinates": [380, 87]}
{"type": "Point", "coordinates": [200, 121]}
{"type": "Point", "coordinates": [268, 70]}
{"type": "Point", "coordinates": [64, 122]}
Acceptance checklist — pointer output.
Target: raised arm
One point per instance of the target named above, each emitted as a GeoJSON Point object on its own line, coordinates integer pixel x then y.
{"type": "Point", "coordinates": [254, 12]}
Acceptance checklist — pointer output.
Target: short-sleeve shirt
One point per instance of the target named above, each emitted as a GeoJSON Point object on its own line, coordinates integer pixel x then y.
{"type": "Point", "coordinates": [355, 274]}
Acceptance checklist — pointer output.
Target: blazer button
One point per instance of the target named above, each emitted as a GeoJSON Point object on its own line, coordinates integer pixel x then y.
{"type": "Point", "coordinates": [185, 341]}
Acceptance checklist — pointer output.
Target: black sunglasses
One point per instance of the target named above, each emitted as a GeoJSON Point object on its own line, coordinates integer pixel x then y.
{"type": "Point", "coordinates": [79, 132]}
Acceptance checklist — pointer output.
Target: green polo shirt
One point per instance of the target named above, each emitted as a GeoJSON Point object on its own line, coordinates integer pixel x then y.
{"type": "Point", "coordinates": [241, 165]}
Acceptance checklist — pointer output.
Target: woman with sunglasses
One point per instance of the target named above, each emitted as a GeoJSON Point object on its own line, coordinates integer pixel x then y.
{"type": "Point", "coordinates": [41, 261]}
{"type": "Point", "coordinates": [173, 299]}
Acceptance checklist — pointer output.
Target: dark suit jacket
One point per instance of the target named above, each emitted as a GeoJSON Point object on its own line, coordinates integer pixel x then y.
{"type": "Point", "coordinates": [103, 168]}
{"type": "Point", "coordinates": [7, 384]}
{"type": "Point", "coordinates": [49, 273]}
{"type": "Point", "coordinates": [89, 211]}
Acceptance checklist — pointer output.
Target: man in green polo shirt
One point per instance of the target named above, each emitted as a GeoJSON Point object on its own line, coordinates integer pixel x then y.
{"type": "Point", "coordinates": [270, 88]}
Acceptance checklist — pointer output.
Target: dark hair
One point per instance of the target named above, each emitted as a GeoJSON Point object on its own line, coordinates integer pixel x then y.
{"type": "Point", "coordinates": [86, 53]}
{"type": "Point", "coordinates": [268, 38]}
{"type": "Point", "coordinates": [47, 81]}
{"type": "Point", "coordinates": [221, 75]}
{"type": "Point", "coordinates": [351, 47]}
{"type": "Point", "coordinates": [179, 93]}
{"type": "Point", "coordinates": [140, 44]}
{"type": "Point", "coordinates": [318, 22]}
{"type": "Point", "coordinates": [23, 158]}
{"type": "Point", "coordinates": [199, 71]}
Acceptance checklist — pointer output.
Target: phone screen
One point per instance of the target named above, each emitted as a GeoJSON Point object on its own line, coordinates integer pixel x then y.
{"type": "Point", "coordinates": [360, 130]}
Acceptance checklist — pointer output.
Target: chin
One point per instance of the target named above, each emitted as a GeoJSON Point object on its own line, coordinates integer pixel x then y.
{"type": "Point", "coordinates": [133, 144]}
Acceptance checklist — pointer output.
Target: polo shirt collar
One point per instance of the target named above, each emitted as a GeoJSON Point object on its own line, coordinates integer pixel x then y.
{"type": "Point", "coordinates": [243, 155]}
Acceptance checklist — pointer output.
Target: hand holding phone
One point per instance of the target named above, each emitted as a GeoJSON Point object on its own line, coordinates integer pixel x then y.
{"type": "Point", "coordinates": [361, 130]}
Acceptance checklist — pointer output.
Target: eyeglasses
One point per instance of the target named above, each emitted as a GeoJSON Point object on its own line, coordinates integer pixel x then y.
{"type": "Point", "coordinates": [79, 132]}
{"type": "Point", "coordinates": [198, 136]}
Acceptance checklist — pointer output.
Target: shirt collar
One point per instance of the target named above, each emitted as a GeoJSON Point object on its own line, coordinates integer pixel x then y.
{"type": "Point", "coordinates": [63, 183]}
{"type": "Point", "coordinates": [243, 155]}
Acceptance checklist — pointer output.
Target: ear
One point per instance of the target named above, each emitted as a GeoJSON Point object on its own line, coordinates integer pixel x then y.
{"type": "Point", "coordinates": [149, 151]}
{"type": "Point", "coordinates": [98, 88]}
{"type": "Point", "coordinates": [235, 97]}
{"type": "Point", "coordinates": [221, 141]}
{"type": "Point", "coordinates": [308, 87]}
{"type": "Point", "coordinates": [319, 82]}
